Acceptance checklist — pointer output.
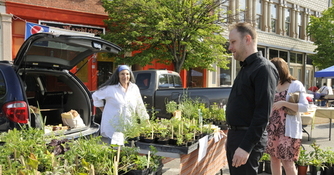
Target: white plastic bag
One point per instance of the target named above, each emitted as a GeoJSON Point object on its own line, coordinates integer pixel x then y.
{"type": "Point", "coordinates": [72, 119]}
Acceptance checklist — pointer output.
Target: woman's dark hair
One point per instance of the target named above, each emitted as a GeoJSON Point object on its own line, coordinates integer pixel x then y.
{"type": "Point", "coordinates": [283, 70]}
{"type": "Point", "coordinates": [114, 79]}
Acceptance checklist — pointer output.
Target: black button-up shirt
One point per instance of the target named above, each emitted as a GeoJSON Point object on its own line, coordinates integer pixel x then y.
{"type": "Point", "coordinates": [251, 98]}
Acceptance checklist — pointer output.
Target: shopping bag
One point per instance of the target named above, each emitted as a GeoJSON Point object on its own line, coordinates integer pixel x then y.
{"type": "Point", "coordinates": [72, 119]}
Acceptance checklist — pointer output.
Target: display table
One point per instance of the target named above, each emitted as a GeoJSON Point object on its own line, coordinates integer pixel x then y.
{"type": "Point", "coordinates": [326, 112]}
{"type": "Point", "coordinates": [213, 161]}
{"type": "Point", "coordinates": [308, 119]}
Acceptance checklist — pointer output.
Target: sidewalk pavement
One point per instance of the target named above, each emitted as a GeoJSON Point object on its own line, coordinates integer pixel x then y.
{"type": "Point", "coordinates": [319, 134]}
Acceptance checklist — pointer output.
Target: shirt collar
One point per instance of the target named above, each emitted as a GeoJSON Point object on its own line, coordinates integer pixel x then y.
{"type": "Point", "coordinates": [130, 84]}
{"type": "Point", "coordinates": [251, 58]}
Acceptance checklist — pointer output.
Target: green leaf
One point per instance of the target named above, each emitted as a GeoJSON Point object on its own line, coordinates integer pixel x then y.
{"type": "Point", "coordinates": [182, 32]}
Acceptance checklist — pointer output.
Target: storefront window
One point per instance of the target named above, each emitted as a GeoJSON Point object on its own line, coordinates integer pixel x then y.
{"type": "Point", "coordinates": [196, 77]}
{"type": "Point", "coordinates": [293, 57]}
{"type": "Point", "coordinates": [300, 58]}
{"type": "Point", "coordinates": [273, 53]}
{"type": "Point", "coordinates": [104, 71]}
{"type": "Point", "coordinates": [309, 59]}
{"type": "Point", "coordinates": [284, 55]}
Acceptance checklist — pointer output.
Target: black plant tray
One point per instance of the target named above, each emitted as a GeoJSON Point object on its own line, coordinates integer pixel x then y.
{"type": "Point", "coordinates": [169, 148]}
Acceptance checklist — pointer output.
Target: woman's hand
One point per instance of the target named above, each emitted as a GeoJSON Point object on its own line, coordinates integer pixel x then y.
{"type": "Point", "coordinates": [279, 104]}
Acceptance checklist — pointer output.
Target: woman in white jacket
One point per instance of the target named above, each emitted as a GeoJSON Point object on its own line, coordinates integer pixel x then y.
{"type": "Point", "coordinates": [121, 103]}
{"type": "Point", "coordinates": [285, 131]}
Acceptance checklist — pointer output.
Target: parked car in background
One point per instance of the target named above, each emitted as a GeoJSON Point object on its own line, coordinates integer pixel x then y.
{"type": "Point", "coordinates": [39, 78]}
{"type": "Point", "coordinates": [158, 87]}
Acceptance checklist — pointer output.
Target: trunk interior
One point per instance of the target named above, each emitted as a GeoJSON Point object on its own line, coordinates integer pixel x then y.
{"type": "Point", "coordinates": [53, 93]}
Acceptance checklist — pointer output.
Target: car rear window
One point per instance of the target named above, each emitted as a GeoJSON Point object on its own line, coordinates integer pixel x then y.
{"type": "Point", "coordinates": [54, 49]}
{"type": "Point", "coordinates": [143, 80]}
{"type": "Point", "coordinates": [169, 81]}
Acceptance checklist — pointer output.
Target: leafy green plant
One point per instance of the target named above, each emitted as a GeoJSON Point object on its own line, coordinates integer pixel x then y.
{"type": "Point", "coordinates": [329, 157]}
{"type": "Point", "coordinates": [218, 113]}
{"type": "Point", "coordinates": [171, 106]}
{"type": "Point", "coordinates": [28, 151]}
{"type": "Point", "coordinates": [179, 140]}
{"type": "Point", "coordinates": [189, 137]}
{"type": "Point", "coordinates": [189, 107]}
{"type": "Point", "coordinates": [265, 157]}
{"type": "Point", "coordinates": [214, 114]}
{"type": "Point", "coordinates": [164, 128]}
{"type": "Point", "coordinates": [316, 156]}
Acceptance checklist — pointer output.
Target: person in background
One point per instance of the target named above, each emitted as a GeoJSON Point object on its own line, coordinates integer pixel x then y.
{"type": "Point", "coordinates": [325, 90]}
{"type": "Point", "coordinates": [249, 103]}
{"type": "Point", "coordinates": [285, 131]}
{"type": "Point", "coordinates": [313, 89]}
{"type": "Point", "coordinates": [321, 93]}
{"type": "Point", "coordinates": [120, 101]}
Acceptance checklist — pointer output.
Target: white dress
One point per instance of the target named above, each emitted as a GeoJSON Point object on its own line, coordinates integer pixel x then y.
{"type": "Point", "coordinates": [120, 107]}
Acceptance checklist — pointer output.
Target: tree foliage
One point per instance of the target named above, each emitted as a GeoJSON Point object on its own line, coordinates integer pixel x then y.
{"type": "Point", "coordinates": [321, 29]}
{"type": "Point", "coordinates": [182, 32]}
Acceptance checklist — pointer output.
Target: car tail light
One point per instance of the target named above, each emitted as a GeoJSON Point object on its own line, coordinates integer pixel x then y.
{"type": "Point", "coordinates": [16, 111]}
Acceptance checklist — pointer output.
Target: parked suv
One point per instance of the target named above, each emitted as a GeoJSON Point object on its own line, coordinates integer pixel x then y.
{"type": "Point", "coordinates": [39, 77]}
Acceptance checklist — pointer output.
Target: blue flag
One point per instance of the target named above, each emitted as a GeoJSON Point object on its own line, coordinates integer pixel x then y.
{"type": "Point", "coordinates": [32, 28]}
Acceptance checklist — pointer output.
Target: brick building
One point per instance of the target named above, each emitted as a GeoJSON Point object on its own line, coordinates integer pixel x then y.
{"type": "Point", "coordinates": [74, 15]}
{"type": "Point", "coordinates": [281, 26]}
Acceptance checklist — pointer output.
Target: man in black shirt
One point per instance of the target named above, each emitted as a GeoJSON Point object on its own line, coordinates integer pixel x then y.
{"type": "Point", "coordinates": [250, 102]}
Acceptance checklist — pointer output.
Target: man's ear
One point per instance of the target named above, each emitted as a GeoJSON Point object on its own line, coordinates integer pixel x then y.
{"type": "Point", "coordinates": [248, 39]}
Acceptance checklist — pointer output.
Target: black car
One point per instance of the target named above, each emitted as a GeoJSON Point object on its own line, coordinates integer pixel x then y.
{"type": "Point", "coordinates": [39, 79]}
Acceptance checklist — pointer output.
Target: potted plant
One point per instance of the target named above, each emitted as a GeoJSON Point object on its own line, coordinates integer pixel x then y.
{"type": "Point", "coordinates": [261, 165]}
{"type": "Point", "coordinates": [329, 162]}
{"type": "Point", "coordinates": [148, 133]}
{"type": "Point", "coordinates": [164, 131]}
{"type": "Point", "coordinates": [266, 159]}
{"type": "Point", "coordinates": [173, 108]}
{"type": "Point", "coordinates": [189, 107]}
{"type": "Point", "coordinates": [303, 161]}
{"type": "Point", "coordinates": [316, 159]}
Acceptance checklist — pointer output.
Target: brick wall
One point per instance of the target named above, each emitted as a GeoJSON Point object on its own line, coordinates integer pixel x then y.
{"type": "Point", "coordinates": [88, 6]}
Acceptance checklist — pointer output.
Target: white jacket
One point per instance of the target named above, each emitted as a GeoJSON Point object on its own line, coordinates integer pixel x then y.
{"type": "Point", "coordinates": [293, 124]}
{"type": "Point", "coordinates": [119, 110]}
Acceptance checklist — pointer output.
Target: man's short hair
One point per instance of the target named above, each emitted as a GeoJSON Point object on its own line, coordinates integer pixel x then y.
{"type": "Point", "coordinates": [245, 28]}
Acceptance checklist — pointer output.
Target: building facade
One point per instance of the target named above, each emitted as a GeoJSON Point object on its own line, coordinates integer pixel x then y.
{"type": "Point", "coordinates": [281, 26]}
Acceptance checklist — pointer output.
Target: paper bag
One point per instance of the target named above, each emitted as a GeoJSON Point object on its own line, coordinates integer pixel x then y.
{"type": "Point", "coordinates": [293, 98]}
{"type": "Point", "coordinates": [72, 119]}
